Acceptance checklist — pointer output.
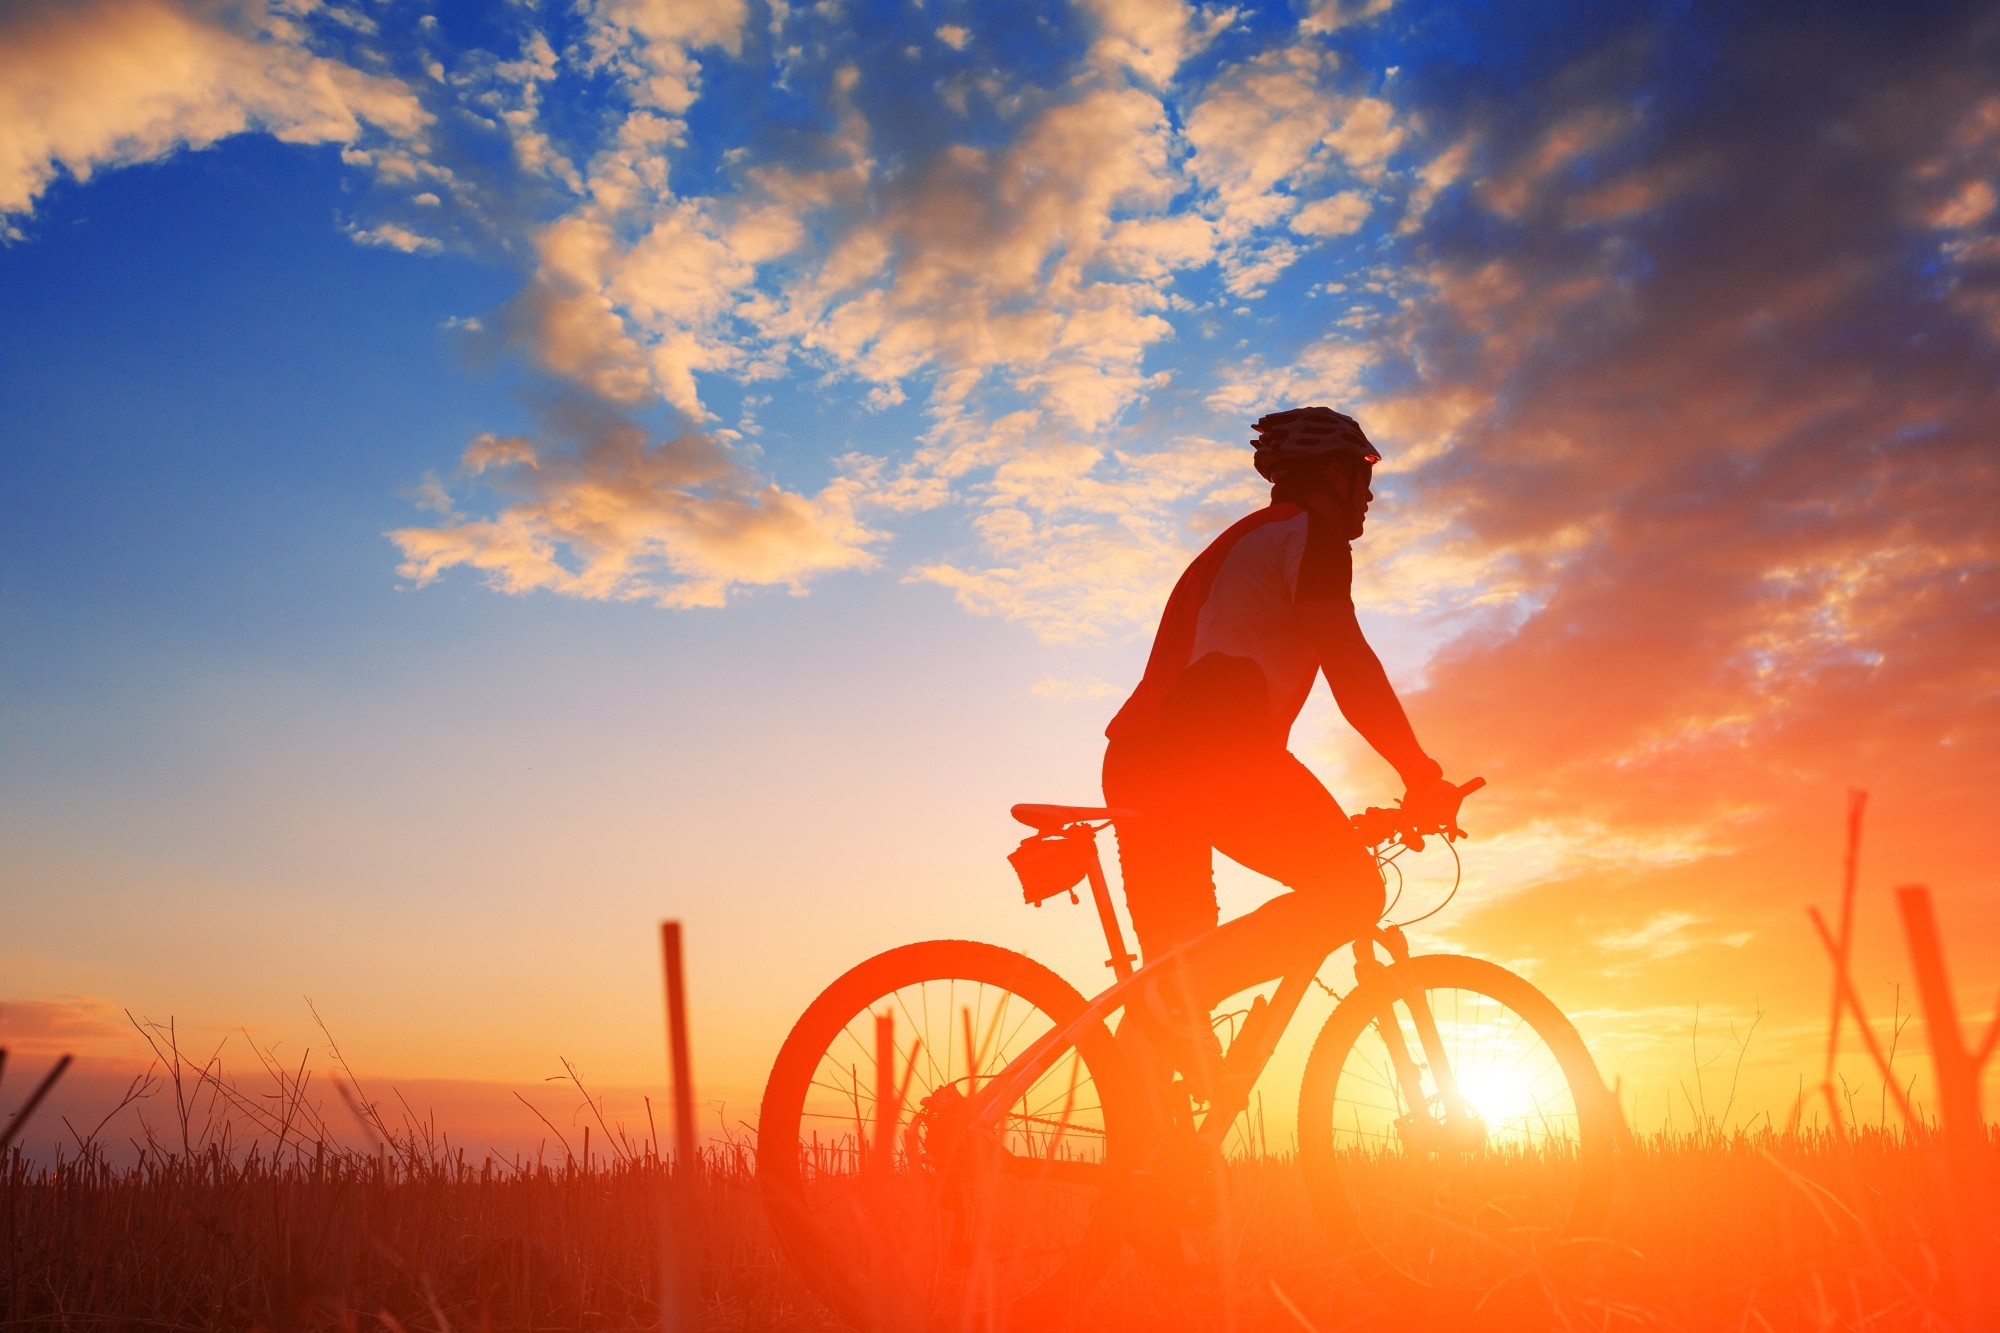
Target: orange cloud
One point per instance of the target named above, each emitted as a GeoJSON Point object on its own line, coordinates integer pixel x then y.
{"type": "Point", "coordinates": [1725, 465]}
{"type": "Point", "coordinates": [73, 1025]}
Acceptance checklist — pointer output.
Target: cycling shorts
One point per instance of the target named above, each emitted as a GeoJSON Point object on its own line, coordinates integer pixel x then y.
{"type": "Point", "coordinates": [1255, 803]}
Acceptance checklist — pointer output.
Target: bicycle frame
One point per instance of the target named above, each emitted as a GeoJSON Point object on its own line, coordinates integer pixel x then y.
{"type": "Point", "coordinates": [1252, 1048]}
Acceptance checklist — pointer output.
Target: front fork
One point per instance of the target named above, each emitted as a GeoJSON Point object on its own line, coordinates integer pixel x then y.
{"type": "Point", "coordinates": [1461, 1125]}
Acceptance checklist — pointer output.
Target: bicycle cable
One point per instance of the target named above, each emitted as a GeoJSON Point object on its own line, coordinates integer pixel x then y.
{"type": "Point", "coordinates": [1389, 862]}
{"type": "Point", "coordinates": [1457, 877]}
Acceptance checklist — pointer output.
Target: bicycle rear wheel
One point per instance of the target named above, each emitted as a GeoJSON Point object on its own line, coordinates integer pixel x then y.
{"type": "Point", "coordinates": [900, 1212]}
{"type": "Point", "coordinates": [1451, 1213]}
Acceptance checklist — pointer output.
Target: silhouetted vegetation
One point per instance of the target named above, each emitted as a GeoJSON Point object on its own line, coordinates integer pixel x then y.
{"type": "Point", "coordinates": [1710, 1230]}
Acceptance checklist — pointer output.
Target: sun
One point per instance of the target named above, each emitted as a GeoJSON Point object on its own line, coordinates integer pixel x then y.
{"type": "Point", "coordinates": [1503, 1097]}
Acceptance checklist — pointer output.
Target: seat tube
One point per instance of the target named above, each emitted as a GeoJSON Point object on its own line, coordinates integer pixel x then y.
{"type": "Point", "coordinates": [1120, 961]}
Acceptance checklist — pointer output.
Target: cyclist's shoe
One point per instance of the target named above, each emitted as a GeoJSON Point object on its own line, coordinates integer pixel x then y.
{"type": "Point", "coordinates": [1189, 1035]}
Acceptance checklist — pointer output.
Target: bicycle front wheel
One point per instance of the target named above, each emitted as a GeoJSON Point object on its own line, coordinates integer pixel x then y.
{"type": "Point", "coordinates": [903, 1213]}
{"type": "Point", "coordinates": [1444, 1204]}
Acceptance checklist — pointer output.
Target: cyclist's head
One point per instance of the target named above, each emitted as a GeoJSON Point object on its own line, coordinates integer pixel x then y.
{"type": "Point", "coordinates": [1301, 442]}
{"type": "Point", "coordinates": [1309, 450]}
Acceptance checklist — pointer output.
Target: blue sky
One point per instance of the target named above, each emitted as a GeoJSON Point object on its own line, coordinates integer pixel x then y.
{"type": "Point", "coordinates": [485, 477]}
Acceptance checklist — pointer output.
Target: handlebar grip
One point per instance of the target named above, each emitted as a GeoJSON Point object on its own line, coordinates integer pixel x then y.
{"type": "Point", "coordinates": [1472, 786]}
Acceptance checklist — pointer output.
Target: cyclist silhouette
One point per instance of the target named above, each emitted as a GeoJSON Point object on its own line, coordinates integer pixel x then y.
{"type": "Point", "coordinates": [1200, 752]}
{"type": "Point", "coordinates": [984, 1165]}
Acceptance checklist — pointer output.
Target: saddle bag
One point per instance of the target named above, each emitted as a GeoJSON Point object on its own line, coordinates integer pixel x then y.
{"type": "Point", "coordinates": [1048, 866]}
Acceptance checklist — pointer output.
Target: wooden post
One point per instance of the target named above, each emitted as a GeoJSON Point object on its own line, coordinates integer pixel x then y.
{"type": "Point", "coordinates": [1958, 1106]}
{"type": "Point", "coordinates": [680, 1270]}
{"type": "Point", "coordinates": [677, 1048]}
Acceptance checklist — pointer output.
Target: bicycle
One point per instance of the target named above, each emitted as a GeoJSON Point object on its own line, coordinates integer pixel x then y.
{"type": "Point", "coordinates": [1453, 1129]}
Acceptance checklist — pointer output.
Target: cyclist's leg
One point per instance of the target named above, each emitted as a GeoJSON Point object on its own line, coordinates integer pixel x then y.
{"type": "Point", "coordinates": [1278, 820]}
{"type": "Point", "coordinates": [1164, 858]}
{"type": "Point", "coordinates": [1167, 867]}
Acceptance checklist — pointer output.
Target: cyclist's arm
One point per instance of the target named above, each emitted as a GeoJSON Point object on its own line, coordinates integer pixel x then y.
{"type": "Point", "coordinates": [1362, 689]}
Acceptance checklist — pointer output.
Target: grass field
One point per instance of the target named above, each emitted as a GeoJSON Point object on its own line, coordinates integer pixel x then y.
{"type": "Point", "coordinates": [1714, 1232]}
{"type": "Point", "coordinates": [244, 1212]}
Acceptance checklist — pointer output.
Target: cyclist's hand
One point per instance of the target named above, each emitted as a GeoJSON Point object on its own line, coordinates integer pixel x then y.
{"type": "Point", "coordinates": [1432, 804]}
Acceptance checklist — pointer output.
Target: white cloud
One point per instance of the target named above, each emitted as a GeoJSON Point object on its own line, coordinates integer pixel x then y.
{"type": "Point", "coordinates": [1260, 132]}
{"type": "Point", "coordinates": [522, 78]}
{"type": "Point", "coordinates": [1340, 215]}
{"type": "Point", "coordinates": [91, 85]}
{"type": "Point", "coordinates": [678, 524]}
{"type": "Point", "coordinates": [650, 44]}
{"type": "Point", "coordinates": [984, 265]}
{"type": "Point", "coordinates": [1366, 136]}
{"type": "Point", "coordinates": [1256, 127]}
{"type": "Point", "coordinates": [1078, 545]}
{"type": "Point", "coordinates": [393, 237]}
{"type": "Point", "coordinates": [1435, 176]}
{"type": "Point", "coordinates": [1333, 15]}
{"type": "Point", "coordinates": [1015, 287]}
{"type": "Point", "coordinates": [1151, 38]}
{"type": "Point", "coordinates": [1329, 371]}
{"type": "Point", "coordinates": [1021, 284]}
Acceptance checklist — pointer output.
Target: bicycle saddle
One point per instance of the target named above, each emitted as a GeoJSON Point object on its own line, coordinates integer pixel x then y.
{"type": "Point", "coordinates": [1047, 819]}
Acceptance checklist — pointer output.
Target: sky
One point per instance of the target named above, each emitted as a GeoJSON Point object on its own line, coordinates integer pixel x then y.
{"type": "Point", "coordinates": [485, 478]}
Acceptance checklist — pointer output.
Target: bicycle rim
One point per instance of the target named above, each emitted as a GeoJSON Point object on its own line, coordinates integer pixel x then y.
{"type": "Point", "coordinates": [1455, 1213]}
{"type": "Point", "coordinates": [948, 1224]}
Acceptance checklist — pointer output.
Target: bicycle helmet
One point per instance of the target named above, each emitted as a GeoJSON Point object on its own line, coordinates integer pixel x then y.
{"type": "Point", "coordinates": [1308, 435]}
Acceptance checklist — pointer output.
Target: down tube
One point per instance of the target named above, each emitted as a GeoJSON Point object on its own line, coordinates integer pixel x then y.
{"type": "Point", "coordinates": [1019, 1076]}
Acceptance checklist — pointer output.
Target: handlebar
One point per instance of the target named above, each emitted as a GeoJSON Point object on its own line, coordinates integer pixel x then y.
{"type": "Point", "coordinates": [1377, 825]}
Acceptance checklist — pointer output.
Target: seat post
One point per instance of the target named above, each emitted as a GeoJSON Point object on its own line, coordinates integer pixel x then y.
{"type": "Point", "coordinates": [1120, 961]}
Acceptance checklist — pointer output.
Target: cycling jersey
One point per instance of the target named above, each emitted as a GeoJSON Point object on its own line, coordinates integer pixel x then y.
{"type": "Point", "coordinates": [1199, 750]}
{"type": "Point", "coordinates": [1236, 603]}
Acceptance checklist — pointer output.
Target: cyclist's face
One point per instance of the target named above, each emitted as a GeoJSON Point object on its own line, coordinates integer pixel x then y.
{"type": "Point", "coordinates": [1345, 495]}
